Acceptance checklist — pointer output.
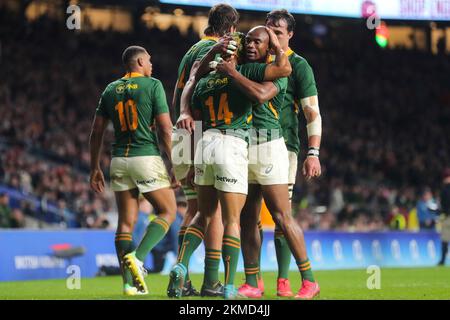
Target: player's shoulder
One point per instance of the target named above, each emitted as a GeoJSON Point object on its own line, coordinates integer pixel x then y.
{"type": "Point", "coordinates": [149, 81]}
{"type": "Point", "coordinates": [298, 60]}
{"type": "Point", "coordinates": [205, 41]}
{"type": "Point", "coordinates": [154, 81]}
{"type": "Point", "coordinates": [300, 66]}
{"type": "Point", "coordinates": [112, 87]}
{"type": "Point", "coordinates": [202, 43]}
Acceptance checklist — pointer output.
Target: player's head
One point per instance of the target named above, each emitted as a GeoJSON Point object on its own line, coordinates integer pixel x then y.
{"type": "Point", "coordinates": [222, 18]}
{"type": "Point", "coordinates": [257, 44]}
{"type": "Point", "coordinates": [283, 24]}
{"type": "Point", "coordinates": [426, 194]}
{"type": "Point", "coordinates": [137, 59]}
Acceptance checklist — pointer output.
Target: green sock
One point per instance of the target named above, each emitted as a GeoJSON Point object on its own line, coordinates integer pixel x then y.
{"type": "Point", "coordinates": [251, 274]}
{"type": "Point", "coordinates": [230, 254]}
{"type": "Point", "coordinates": [181, 234]}
{"type": "Point", "coordinates": [192, 239]}
{"type": "Point", "coordinates": [212, 262]}
{"type": "Point", "coordinates": [305, 270]}
{"type": "Point", "coordinates": [124, 244]}
{"type": "Point", "coordinates": [261, 234]}
{"type": "Point", "coordinates": [283, 254]}
{"type": "Point", "coordinates": [156, 230]}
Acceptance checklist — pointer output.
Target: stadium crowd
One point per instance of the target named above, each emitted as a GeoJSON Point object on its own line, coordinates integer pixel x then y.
{"type": "Point", "coordinates": [385, 137]}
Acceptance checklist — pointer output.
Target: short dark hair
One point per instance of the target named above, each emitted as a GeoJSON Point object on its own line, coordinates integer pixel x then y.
{"type": "Point", "coordinates": [275, 16]}
{"type": "Point", "coordinates": [130, 53]}
{"type": "Point", "coordinates": [221, 18]}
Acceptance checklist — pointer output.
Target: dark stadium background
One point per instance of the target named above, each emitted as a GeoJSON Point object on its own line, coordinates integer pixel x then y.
{"type": "Point", "coordinates": [385, 111]}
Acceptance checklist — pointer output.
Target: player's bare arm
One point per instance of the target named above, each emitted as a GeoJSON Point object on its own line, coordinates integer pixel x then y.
{"type": "Point", "coordinates": [185, 121]}
{"type": "Point", "coordinates": [196, 114]}
{"type": "Point", "coordinates": [97, 180]}
{"type": "Point", "coordinates": [281, 66]}
{"type": "Point", "coordinates": [311, 166]}
{"type": "Point", "coordinates": [258, 92]}
{"type": "Point", "coordinates": [164, 133]}
{"type": "Point", "coordinates": [224, 47]}
{"type": "Point", "coordinates": [174, 99]}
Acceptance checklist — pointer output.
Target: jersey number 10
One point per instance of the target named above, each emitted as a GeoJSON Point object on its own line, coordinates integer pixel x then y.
{"type": "Point", "coordinates": [128, 116]}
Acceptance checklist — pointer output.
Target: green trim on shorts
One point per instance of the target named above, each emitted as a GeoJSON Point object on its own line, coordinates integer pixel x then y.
{"type": "Point", "coordinates": [189, 193]}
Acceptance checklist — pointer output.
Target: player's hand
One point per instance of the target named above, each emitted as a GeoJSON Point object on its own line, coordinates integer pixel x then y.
{"type": "Point", "coordinates": [174, 183]}
{"type": "Point", "coordinates": [225, 67]}
{"type": "Point", "coordinates": [311, 168]}
{"type": "Point", "coordinates": [97, 180]}
{"type": "Point", "coordinates": [185, 121]}
{"type": "Point", "coordinates": [190, 177]}
{"type": "Point", "coordinates": [225, 46]}
{"type": "Point", "coordinates": [274, 44]}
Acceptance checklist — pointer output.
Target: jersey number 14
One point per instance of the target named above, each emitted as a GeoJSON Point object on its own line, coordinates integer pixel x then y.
{"type": "Point", "coordinates": [223, 113]}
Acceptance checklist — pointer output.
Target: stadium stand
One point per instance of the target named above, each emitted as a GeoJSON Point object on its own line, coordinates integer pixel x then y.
{"type": "Point", "coordinates": [385, 118]}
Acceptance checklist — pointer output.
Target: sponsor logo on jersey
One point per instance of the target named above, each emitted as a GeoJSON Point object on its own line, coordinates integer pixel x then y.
{"type": "Point", "coordinates": [216, 82]}
{"type": "Point", "coordinates": [121, 87]}
{"type": "Point", "coordinates": [199, 171]}
{"type": "Point", "coordinates": [148, 181]}
{"type": "Point", "coordinates": [225, 179]}
{"type": "Point", "coordinates": [132, 86]}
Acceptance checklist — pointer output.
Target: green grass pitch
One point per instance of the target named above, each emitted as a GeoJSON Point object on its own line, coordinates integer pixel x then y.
{"type": "Point", "coordinates": [411, 283]}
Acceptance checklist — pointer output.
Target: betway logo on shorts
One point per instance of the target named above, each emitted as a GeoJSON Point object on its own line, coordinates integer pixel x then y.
{"type": "Point", "coordinates": [149, 181]}
{"type": "Point", "coordinates": [225, 179]}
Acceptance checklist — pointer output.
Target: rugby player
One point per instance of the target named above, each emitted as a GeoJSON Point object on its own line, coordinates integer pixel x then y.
{"type": "Point", "coordinates": [224, 104]}
{"type": "Point", "coordinates": [133, 104]}
{"type": "Point", "coordinates": [301, 91]}
{"type": "Point", "coordinates": [268, 179]}
{"type": "Point", "coordinates": [222, 19]}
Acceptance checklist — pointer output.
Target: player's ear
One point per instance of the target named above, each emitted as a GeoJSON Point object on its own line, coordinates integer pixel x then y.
{"type": "Point", "coordinates": [140, 61]}
{"type": "Point", "coordinates": [290, 34]}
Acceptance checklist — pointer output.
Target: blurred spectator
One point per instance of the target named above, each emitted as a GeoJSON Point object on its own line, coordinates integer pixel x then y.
{"type": "Point", "coordinates": [398, 221]}
{"type": "Point", "coordinates": [5, 211]}
{"type": "Point", "coordinates": [17, 219]}
{"type": "Point", "coordinates": [426, 210]}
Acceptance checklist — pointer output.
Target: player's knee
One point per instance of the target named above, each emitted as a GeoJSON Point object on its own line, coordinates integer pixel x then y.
{"type": "Point", "coordinates": [281, 218]}
{"type": "Point", "coordinates": [169, 213]}
{"type": "Point", "coordinates": [231, 221]}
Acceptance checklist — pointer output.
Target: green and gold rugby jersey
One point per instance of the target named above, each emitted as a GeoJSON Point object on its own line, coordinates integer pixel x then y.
{"type": "Point", "coordinates": [266, 116]}
{"type": "Point", "coordinates": [195, 53]}
{"type": "Point", "coordinates": [222, 104]}
{"type": "Point", "coordinates": [132, 103]}
{"type": "Point", "coordinates": [301, 84]}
